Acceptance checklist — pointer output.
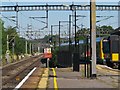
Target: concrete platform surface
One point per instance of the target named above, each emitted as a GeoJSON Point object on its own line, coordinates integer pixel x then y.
{"type": "Point", "coordinates": [66, 78]}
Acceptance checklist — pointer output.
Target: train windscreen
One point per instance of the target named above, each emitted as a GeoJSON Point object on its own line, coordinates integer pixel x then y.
{"type": "Point", "coordinates": [106, 47]}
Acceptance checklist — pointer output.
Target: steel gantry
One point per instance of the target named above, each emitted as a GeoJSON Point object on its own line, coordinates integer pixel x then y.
{"type": "Point", "coordinates": [57, 7]}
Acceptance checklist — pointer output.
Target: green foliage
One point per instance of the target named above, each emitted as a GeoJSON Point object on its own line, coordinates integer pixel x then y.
{"type": "Point", "coordinates": [4, 39]}
{"type": "Point", "coordinates": [53, 61]}
{"type": "Point", "coordinates": [1, 28]}
{"type": "Point", "coordinates": [100, 31]}
{"type": "Point", "coordinates": [12, 36]}
{"type": "Point", "coordinates": [19, 45]}
{"type": "Point", "coordinates": [103, 30]}
{"type": "Point", "coordinates": [11, 31]}
{"type": "Point", "coordinates": [81, 38]}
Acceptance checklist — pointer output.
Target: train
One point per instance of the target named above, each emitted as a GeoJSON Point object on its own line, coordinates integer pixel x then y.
{"type": "Point", "coordinates": [110, 50]}
{"type": "Point", "coordinates": [107, 50]}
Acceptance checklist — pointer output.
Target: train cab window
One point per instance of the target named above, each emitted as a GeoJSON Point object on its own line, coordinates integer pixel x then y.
{"type": "Point", "coordinates": [115, 46]}
{"type": "Point", "coordinates": [106, 47]}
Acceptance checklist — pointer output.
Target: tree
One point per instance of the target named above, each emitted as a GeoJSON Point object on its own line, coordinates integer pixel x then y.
{"type": "Point", "coordinates": [3, 37]}
{"type": "Point", "coordinates": [13, 37]}
{"type": "Point", "coordinates": [100, 31]}
{"type": "Point", "coordinates": [19, 45]}
{"type": "Point", "coordinates": [103, 30]}
{"type": "Point", "coordinates": [1, 29]}
{"type": "Point", "coordinates": [81, 34]}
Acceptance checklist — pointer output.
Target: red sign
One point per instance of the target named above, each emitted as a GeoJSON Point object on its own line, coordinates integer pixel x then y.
{"type": "Point", "coordinates": [47, 55]}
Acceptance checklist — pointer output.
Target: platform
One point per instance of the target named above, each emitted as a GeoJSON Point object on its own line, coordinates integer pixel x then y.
{"type": "Point", "coordinates": [67, 79]}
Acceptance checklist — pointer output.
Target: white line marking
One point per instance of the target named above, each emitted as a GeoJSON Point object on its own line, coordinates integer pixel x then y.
{"type": "Point", "coordinates": [110, 68]}
{"type": "Point", "coordinates": [23, 81]}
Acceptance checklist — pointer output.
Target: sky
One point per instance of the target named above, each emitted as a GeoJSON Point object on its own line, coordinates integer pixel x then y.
{"type": "Point", "coordinates": [56, 16]}
{"type": "Point", "coordinates": [57, 0]}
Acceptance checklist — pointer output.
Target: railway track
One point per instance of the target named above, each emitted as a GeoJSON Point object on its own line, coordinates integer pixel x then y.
{"type": "Point", "coordinates": [14, 73]}
{"type": "Point", "coordinates": [103, 69]}
{"type": "Point", "coordinates": [108, 75]}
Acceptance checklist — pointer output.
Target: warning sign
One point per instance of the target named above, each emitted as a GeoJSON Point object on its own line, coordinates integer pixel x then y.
{"type": "Point", "coordinates": [47, 53]}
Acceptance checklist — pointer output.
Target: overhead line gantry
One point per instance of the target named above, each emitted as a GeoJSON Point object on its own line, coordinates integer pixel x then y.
{"type": "Point", "coordinates": [58, 7]}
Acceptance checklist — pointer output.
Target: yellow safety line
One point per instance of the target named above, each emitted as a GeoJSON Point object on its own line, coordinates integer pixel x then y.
{"type": "Point", "coordinates": [55, 80]}
{"type": "Point", "coordinates": [44, 79]}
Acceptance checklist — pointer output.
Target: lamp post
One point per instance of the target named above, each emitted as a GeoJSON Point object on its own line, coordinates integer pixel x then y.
{"type": "Point", "coordinates": [69, 32]}
{"type": "Point", "coordinates": [70, 21]}
{"type": "Point", "coordinates": [75, 31]}
{"type": "Point", "coordinates": [59, 35]}
{"type": "Point", "coordinates": [70, 29]}
{"type": "Point", "coordinates": [73, 9]}
{"type": "Point", "coordinates": [17, 17]}
{"type": "Point", "coordinates": [59, 30]}
{"type": "Point", "coordinates": [52, 30]}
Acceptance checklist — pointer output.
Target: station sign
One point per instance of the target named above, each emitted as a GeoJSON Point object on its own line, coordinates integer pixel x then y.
{"type": "Point", "coordinates": [47, 53]}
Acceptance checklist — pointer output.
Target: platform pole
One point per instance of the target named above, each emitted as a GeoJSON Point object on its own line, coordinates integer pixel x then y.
{"type": "Point", "coordinates": [93, 35]}
{"type": "Point", "coordinates": [48, 62]}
